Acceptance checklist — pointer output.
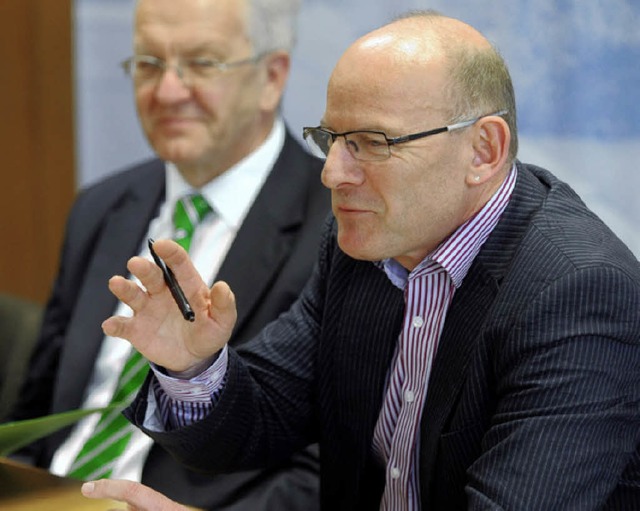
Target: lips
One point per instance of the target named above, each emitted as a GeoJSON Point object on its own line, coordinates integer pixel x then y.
{"type": "Point", "coordinates": [171, 121]}
{"type": "Point", "coordinates": [349, 203]}
{"type": "Point", "coordinates": [171, 126]}
{"type": "Point", "coordinates": [345, 209]}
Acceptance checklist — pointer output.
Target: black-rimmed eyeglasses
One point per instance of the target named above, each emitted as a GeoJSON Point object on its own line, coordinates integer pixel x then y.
{"type": "Point", "coordinates": [371, 145]}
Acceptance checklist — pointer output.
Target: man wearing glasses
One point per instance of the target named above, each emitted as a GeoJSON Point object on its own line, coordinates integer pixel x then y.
{"type": "Point", "coordinates": [470, 337]}
{"type": "Point", "coordinates": [231, 185]}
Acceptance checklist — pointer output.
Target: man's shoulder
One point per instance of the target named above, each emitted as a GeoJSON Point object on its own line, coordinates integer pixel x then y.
{"type": "Point", "coordinates": [549, 229]}
{"type": "Point", "coordinates": [547, 232]}
{"type": "Point", "coordinates": [293, 158]}
{"type": "Point", "coordinates": [294, 181]}
{"type": "Point", "coordinates": [143, 182]}
{"type": "Point", "coordinates": [136, 175]}
{"type": "Point", "coordinates": [571, 227]}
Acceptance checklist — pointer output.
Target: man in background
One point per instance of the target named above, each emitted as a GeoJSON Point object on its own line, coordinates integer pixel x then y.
{"type": "Point", "coordinates": [234, 188]}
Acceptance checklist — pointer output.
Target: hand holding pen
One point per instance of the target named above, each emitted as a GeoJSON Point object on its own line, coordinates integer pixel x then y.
{"type": "Point", "coordinates": [157, 328]}
{"type": "Point", "coordinates": [174, 287]}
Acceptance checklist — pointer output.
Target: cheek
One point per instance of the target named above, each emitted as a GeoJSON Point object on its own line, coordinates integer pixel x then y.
{"type": "Point", "coordinates": [143, 98]}
{"type": "Point", "coordinates": [400, 197]}
{"type": "Point", "coordinates": [211, 100]}
{"type": "Point", "coordinates": [414, 201]}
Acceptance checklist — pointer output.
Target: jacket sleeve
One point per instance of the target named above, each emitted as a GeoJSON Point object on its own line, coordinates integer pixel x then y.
{"type": "Point", "coordinates": [567, 419]}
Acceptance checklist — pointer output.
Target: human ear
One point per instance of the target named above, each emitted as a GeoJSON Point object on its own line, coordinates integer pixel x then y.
{"type": "Point", "coordinates": [277, 66]}
{"type": "Point", "coordinates": [491, 139]}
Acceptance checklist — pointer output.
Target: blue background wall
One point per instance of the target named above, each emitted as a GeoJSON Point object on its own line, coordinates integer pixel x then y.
{"type": "Point", "coordinates": [575, 65]}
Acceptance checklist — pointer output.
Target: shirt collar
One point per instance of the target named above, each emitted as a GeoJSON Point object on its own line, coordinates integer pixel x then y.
{"type": "Point", "coordinates": [232, 193]}
{"type": "Point", "coordinates": [457, 252]}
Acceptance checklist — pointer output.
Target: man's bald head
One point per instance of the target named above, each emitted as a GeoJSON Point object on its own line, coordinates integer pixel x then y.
{"type": "Point", "coordinates": [474, 79]}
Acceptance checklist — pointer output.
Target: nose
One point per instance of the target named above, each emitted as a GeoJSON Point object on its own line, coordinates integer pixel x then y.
{"type": "Point", "coordinates": [171, 87]}
{"type": "Point", "coordinates": [341, 168]}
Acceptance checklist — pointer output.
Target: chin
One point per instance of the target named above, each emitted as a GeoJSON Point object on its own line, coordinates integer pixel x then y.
{"type": "Point", "coordinates": [357, 248]}
{"type": "Point", "coordinates": [178, 156]}
{"type": "Point", "coordinates": [176, 149]}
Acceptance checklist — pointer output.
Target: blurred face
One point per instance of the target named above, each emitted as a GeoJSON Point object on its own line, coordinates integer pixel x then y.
{"type": "Point", "coordinates": [203, 126]}
{"type": "Point", "coordinates": [402, 207]}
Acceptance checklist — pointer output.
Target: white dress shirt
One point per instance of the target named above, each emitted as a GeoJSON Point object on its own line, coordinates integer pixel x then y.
{"type": "Point", "coordinates": [230, 195]}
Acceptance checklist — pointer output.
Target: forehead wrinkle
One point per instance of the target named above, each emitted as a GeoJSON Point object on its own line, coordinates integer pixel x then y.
{"type": "Point", "coordinates": [395, 82]}
{"type": "Point", "coordinates": [190, 24]}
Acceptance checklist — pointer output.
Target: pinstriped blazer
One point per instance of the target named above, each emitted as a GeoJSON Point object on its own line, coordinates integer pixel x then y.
{"type": "Point", "coordinates": [534, 397]}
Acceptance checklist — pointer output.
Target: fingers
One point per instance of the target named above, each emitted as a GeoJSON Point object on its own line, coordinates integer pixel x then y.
{"type": "Point", "coordinates": [150, 275]}
{"type": "Point", "coordinates": [176, 258]}
{"type": "Point", "coordinates": [138, 496]}
{"type": "Point", "coordinates": [115, 326]}
{"type": "Point", "coordinates": [151, 279]}
{"type": "Point", "coordinates": [128, 292]}
{"type": "Point", "coordinates": [157, 328]}
{"type": "Point", "coordinates": [185, 273]}
{"type": "Point", "coordinates": [223, 305]}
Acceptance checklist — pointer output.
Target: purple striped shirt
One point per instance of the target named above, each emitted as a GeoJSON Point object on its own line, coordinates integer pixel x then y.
{"type": "Point", "coordinates": [182, 402]}
{"type": "Point", "coordinates": [428, 291]}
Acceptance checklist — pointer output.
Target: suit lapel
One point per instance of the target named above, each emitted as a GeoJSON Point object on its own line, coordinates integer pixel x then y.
{"type": "Point", "coordinates": [362, 317]}
{"type": "Point", "coordinates": [375, 311]}
{"type": "Point", "coordinates": [469, 309]}
{"type": "Point", "coordinates": [457, 342]}
{"type": "Point", "coordinates": [121, 234]}
{"type": "Point", "coordinates": [265, 238]}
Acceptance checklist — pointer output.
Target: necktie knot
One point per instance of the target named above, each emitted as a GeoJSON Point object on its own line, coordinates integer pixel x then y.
{"type": "Point", "coordinates": [189, 211]}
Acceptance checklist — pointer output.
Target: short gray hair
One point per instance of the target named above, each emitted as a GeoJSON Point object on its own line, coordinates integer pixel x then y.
{"type": "Point", "coordinates": [271, 24]}
{"type": "Point", "coordinates": [480, 85]}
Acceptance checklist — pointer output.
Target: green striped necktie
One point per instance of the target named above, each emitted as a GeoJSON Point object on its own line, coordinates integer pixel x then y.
{"type": "Point", "coordinates": [189, 212]}
{"type": "Point", "coordinates": [113, 432]}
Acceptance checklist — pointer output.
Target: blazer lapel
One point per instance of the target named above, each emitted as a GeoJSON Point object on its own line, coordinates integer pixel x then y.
{"type": "Point", "coordinates": [362, 316]}
{"type": "Point", "coordinates": [469, 309]}
{"type": "Point", "coordinates": [266, 236]}
{"type": "Point", "coordinates": [458, 340]}
{"type": "Point", "coordinates": [122, 232]}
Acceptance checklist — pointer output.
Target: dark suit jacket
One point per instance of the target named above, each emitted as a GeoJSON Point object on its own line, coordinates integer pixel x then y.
{"type": "Point", "coordinates": [267, 266]}
{"type": "Point", "coordinates": [534, 397]}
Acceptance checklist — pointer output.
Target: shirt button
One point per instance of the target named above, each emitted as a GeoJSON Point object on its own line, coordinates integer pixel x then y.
{"type": "Point", "coordinates": [409, 396]}
{"type": "Point", "coordinates": [417, 321]}
{"type": "Point", "coordinates": [395, 473]}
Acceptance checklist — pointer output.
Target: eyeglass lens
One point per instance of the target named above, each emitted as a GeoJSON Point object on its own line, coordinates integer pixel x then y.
{"type": "Point", "coordinates": [362, 145]}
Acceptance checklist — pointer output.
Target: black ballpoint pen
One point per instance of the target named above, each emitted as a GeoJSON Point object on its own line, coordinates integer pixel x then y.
{"type": "Point", "coordinates": [174, 287]}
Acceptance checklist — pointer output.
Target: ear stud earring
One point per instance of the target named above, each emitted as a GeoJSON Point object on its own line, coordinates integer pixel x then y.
{"type": "Point", "coordinates": [476, 178]}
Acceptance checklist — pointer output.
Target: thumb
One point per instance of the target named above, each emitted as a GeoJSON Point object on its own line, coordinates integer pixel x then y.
{"type": "Point", "coordinates": [137, 496]}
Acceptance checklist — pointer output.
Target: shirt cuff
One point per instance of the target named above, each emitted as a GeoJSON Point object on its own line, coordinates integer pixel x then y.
{"type": "Point", "coordinates": [200, 388]}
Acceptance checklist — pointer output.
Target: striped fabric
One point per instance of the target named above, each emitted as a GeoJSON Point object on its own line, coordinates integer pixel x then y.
{"type": "Point", "coordinates": [182, 405]}
{"type": "Point", "coordinates": [190, 210]}
{"type": "Point", "coordinates": [428, 291]}
{"type": "Point", "coordinates": [113, 432]}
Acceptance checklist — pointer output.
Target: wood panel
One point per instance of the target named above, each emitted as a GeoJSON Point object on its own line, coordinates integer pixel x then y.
{"type": "Point", "coordinates": [37, 141]}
